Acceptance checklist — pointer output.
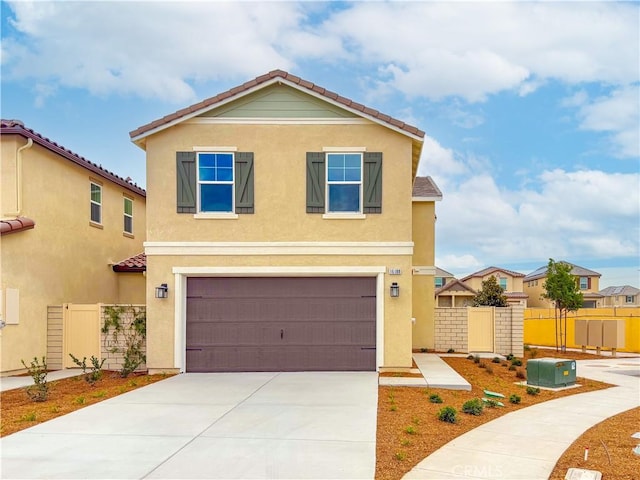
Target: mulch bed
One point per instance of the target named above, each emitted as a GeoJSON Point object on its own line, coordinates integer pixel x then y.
{"type": "Point", "coordinates": [408, 427]}
{"type": "Point", "coordinates": [18, 411]}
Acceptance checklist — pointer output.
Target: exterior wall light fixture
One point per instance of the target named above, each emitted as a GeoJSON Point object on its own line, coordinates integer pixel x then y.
{"type": "Point", "coordinates": [394, 290]}
{"type": "Point", "coordinates": [162, 291]}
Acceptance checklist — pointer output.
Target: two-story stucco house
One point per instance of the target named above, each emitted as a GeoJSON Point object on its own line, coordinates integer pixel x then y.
{"type": "Point", "coordinates": [620, 296]}
{"type": "Point", "coordinates": [64, 222]}
{"type": "Point", "coordinates": [587, 281]}
{"type": "Point", "coordinates": [285, 223]}
{"type": "Point", "coordinates": [510, 281]}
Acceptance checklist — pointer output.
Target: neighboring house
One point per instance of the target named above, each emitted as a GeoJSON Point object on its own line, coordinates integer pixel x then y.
{"type": "Point", "coordinates": [454, 294]}
{"type": "Point", "coordinates": [510, 281]}
{"type": "Point", "coordinates": [286, 224]}
{"type": "Point", "coordinates": [623, 296]}
{"type": "Point", "coordinates": [587, 281]}
{"type": "Point", "coordinates": [65, 220]}
{"type": "Point", "coordinates": [443, 277]}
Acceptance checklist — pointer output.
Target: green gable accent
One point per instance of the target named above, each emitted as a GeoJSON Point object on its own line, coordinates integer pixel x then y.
{"type": "Point", "coordinates": [279, 101]}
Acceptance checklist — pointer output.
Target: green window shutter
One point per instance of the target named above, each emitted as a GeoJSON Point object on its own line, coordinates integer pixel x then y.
{"type": "Point", "coordinates": [315, 182]}
{"type": "Point", "coordinates": [372, 182]}
{"type": "Point", "coordinates": [244, 182]}
{"type": "Point", "coordinates": [186, 182]}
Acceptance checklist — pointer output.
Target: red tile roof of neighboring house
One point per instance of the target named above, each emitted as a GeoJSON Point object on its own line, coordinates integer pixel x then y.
{"type": "Point", "coordinates": [135, 264]}
{"type": "Point", "coordinates": [14, 225]}
{"type": "Point", "coordinates": [490, 270]}
{"type": "Point", "coordinates": [270, 78]}
{"type": "Point", "coordinates": [16, 127]}
{"type": "Point", "coordinates": [426, 187]}
{"type": "Point", "coordinates": [516, 295]}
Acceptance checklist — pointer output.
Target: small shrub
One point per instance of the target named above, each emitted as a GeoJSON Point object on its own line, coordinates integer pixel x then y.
{"type": "Point", "coordinates": [435, 398]}
{"type": "Point", "coordinates": [489, 369]}
{"type": "Point", "coordinates": [512, 367]}
{"type": "Point", "coordinates": [95, 370]}
{"type": "Point", "coordinates": [393, 408]}
{"type": "Point", "coordinates": [406, 442]}
{"type": "Point", "coordinates": [496, 360]}
{"type": "Point", "coordinates": [526, 347]}
{"type": "Point", "coordinates": [516, 362]}
{"type": "Point", "coordinates": [492, 403]}
{"type": "Point", "coordinates": [515, 399]}
{"type": "Point", "coordinates": [80, 400]}
{"type": "Point", "coordinates": [28, 417]}
{"type": "Point", "coordinates": [482, 365]}
{"type": "Point", "coordinates": [510, 357]}
{"type": "Point", "coordinates": [400, 456]}
{"type": "Point", "coordinates": [473, 406]}
{"type": "Point", "coordinates": [100, 394]}
{"type": "Point", "coordinates": [54, 409]}
{"type": "Point", "coordinates": [470, 357]}
{"type": "Point", "coordinates": [132, 383]}
{"type": "Point", "coordinates": [410, 430]}
{"type": "Point", "coordinates": [520, 374]}
{"type": "Point", "coordinates": [415, 421]}
{"type": "Point", "coordinates": [533, 353]}
{"type": "Point", "coordinates": [476, 359]}
{"type": "Point", "coordinates": [39, 391]}
{"type": "Point", "coordinates": [533, 390]}
{"type": "Point", "coordinates": [451, 350]}
{"type": "Point", "coordinates": [424, 350]}
{"type": "Point", "coordinates": [448, 414]}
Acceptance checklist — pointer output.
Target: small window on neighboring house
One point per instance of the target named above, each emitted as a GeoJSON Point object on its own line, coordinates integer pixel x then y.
{"type": "Point", "coordinates": [96, 203]}
{"type": "Point", "coordinates": [128, 215]}
{"type": "Point", "coordinates": [503, 283]}
{"type": "Point", "coordinates": [439, 282]}
{"type": "Point", "coordinates": [630, 298]}
{"type": "Point", "coordinates": [584, 283]}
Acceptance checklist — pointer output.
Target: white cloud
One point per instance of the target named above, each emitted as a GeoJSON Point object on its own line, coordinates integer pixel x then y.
{"type": "Point", "coordinates": [458, 262]}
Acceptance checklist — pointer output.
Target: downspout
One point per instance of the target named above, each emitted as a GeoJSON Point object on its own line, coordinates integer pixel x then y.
{"type": "Point", "coordinates": [26, 146]}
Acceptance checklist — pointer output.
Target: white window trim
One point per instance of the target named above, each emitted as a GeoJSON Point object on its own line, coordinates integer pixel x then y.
{"type": "Point", "coordinates": [343, 215]}
{"type": "Point", "coordinates": [92, 202]}
{"type": "Point", "coordinates": [125, 214]}
{"type": "Point", "coordinates": [586, 283]}
{"type": "Point", "coordinates": [215, 216]}
{"type": "Point", "coordinates": [206, 149]}
{"type": "Point", "coordinates": [209, 182]}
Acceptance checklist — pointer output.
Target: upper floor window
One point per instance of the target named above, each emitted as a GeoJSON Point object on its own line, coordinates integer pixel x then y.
{"type": "Point", "coordinates": [128, 215]}
{"type": "Point", "coordinates": [584, 283]}
{"type": "Point", "coordinates": [344, 182]}
{"type": "Point", "coordinates": [439, 282]}
{"type": "Point", "coordinates": [96, 203]}
{"type": "Point", "coordinates": [503, 283]}
{"type": "Point", "coordinates": [215, 182]}
{"type": "Point", "coordinates": [630, 298]}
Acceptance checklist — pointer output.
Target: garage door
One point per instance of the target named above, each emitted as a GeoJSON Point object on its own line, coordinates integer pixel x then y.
{"type": "Point", "coordinates": [281, 324]}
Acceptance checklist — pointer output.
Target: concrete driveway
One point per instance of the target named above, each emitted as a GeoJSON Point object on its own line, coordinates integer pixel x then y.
{"type": "Point", "coordinates": [236, 425]}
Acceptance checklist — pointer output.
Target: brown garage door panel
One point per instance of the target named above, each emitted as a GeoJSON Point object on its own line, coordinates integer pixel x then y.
{"type": "Point", "coordinates": [281, 324]}
{"type": "Point", "coordinates": [269, 359]}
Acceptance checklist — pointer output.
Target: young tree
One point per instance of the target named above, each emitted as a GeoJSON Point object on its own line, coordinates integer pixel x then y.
{"type": "Point", "coordinates": [562, 289]}
{"type": "Point", "coordinates": [491, 294]}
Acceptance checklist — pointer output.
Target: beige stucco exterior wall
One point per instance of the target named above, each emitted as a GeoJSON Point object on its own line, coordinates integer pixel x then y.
{"type": "Point", "coordinates": [535, 289]}
{"type": "Point", "coordinates": [514, 284]}
{"type": "Point", "coordinates": [63, 259]}
{"type": "Point", "coordinates": [423, 222]}
{"type": "Point", "coordinates": [131, 288]}
{"type": "Point", "coordinates": [280, 216]}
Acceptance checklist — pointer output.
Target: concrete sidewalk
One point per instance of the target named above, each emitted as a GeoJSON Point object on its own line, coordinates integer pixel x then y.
{"type": "Point", "coordinates": [436, 373]}
{"type": "Point", "coordinates": [11, 383]}
{"type": "Point", "coordinates": [527, 443]}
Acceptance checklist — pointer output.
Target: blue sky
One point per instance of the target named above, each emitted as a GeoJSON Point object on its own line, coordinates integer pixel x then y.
{"type": "Point", "coordinates": [531, 110]}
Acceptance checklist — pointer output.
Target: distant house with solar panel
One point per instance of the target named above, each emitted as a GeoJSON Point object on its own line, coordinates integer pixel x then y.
{"type": "Point", "coordinates": [587, 280]}
{"type": "Point", "coordinates": [622, 296]}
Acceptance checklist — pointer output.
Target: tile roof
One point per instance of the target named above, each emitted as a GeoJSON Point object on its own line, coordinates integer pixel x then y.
{"type": "Point", "coordinates": [267, 79]}
{"type": "Point", "coordinates": [489, 270]}
{"type": "Point", "coordinates": [576, 271]}
{"type": "Point", "coordinates": [621, 290]}
{"type": "Point", "coordinates": [426, 187]}
{"type": "Point", "coordinates": [460, 288]}
{"type": "Point", "coordinates": [14, 225]}
{"type": "Point", "coordinates": [135, 264]}
{"type": "Point", "coordinates": [16, 127]}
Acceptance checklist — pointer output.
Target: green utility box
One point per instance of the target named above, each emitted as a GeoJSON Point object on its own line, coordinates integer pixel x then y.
{"type": "Point", "coordinates": [551, 372]}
